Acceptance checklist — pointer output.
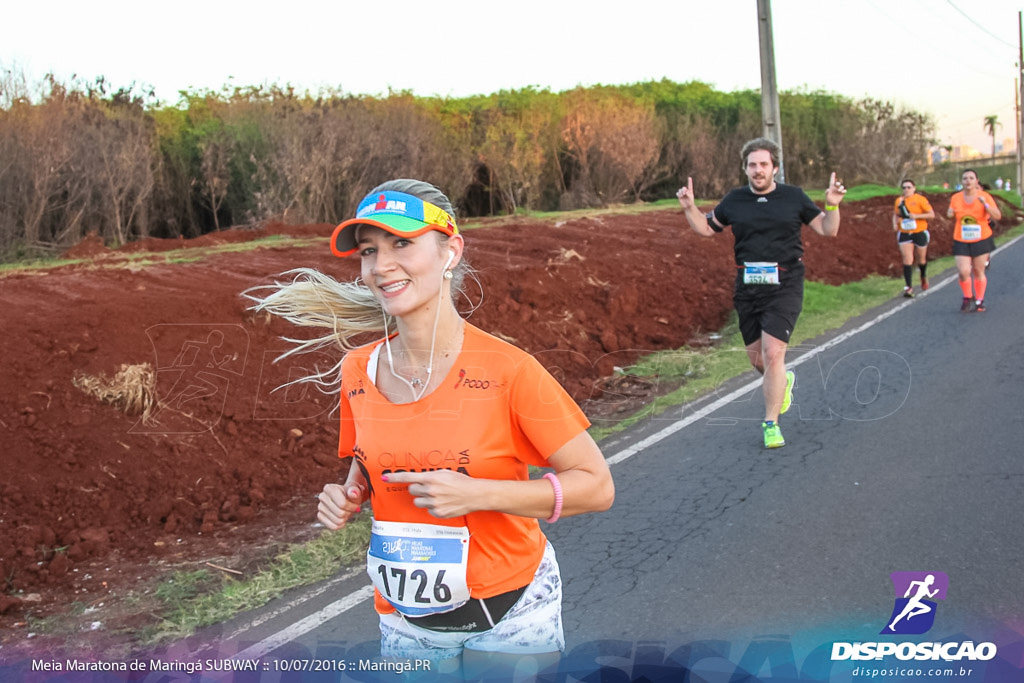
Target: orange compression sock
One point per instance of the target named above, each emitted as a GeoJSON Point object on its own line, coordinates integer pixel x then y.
{"type": "Point", "coordinates": [979, 288]}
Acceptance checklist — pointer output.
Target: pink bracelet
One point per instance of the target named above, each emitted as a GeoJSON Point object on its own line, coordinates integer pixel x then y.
{"type": "Point", "coordinates": [558, 498]}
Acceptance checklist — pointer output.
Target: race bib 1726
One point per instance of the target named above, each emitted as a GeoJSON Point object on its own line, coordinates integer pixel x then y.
{"type": "Point", "coordinates": [419, 568]}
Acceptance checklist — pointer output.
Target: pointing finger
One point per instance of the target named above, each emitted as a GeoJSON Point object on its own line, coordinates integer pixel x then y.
{"type": "Point", "coordinates": [404, 477]}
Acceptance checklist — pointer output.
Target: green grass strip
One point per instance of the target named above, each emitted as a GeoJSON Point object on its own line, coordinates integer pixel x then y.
{"type": "Point", "coordinates": [194, 599]}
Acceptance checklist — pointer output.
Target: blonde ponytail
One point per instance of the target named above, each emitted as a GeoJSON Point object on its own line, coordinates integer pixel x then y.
{"type": "Point", "coordinates": [311, 299]}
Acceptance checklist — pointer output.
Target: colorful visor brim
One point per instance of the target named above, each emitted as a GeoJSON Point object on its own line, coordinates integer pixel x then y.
{"type": "Point", "coordinates": [396, 212]}
{"type": "Point", "coordinates": [343, 242]}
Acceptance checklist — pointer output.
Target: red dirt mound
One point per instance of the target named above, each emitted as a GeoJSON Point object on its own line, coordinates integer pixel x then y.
{"type": "Point", "coordinates": [93, 500]}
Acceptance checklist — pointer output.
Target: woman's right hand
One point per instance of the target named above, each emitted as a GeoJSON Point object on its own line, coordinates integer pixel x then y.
{"type": "Point", "coordinates": [339, 502]}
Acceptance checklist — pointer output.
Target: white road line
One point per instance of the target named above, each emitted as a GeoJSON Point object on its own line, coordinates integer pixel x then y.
{"type": "Point", "coordinates": [291, 604]}
{"type": "Point", "coordinates": [627, 453]}
{"type": "Point", "coordinates": [332, 610]}
{"type": "Point", "coordinates": [306, 625]}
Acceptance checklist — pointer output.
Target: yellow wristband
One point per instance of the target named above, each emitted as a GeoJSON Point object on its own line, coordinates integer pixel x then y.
{"type": "Point", "coordinates": [829, 207]}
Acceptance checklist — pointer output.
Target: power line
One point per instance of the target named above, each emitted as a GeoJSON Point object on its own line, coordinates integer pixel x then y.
{"type": "Point", "coordinates": [969, 65]}
{"type": "Point", "coordinates": [979, 25]}
{"type": "Point", "coordinates": [964, 122]}
{"type": "Point", "coordinates": [927, 14]}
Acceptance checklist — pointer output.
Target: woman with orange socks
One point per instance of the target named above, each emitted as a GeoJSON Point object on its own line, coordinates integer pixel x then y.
{"type": "Point", "coordinates": [971, 210]}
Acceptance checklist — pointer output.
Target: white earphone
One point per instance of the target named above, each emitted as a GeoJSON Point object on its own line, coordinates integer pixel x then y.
{"type": "Point", "coordinates": [451, 256]}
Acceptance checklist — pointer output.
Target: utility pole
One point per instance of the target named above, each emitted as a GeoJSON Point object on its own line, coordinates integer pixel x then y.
{"type": "Point", "coordinates": [1016, 108]}
{"type": "Point", "coordinates": [769, 88]}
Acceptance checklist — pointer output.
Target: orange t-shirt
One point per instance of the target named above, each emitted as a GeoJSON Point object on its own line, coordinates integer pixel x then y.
{"type": "Point", "coordinates": [497, 412]}
{"type": "Point", "coordinates": [973, 213]}
{"type": "Point", "coordinates": [915, 204]}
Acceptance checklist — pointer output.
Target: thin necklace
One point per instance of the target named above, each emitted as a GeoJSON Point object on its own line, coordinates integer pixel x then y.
{"type": "Point", "coordinates": [416, 381]}
{"type": "Point", "coordinates": [440, 353]}
{"type": "Point", "coordinates": [419, 385]}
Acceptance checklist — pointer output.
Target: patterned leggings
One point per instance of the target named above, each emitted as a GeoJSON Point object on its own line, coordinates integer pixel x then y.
{"type": "Point", "coordinates": [532, 626]}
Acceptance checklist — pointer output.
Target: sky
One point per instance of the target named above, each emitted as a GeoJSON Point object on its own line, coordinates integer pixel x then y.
{"type": "Point", "coordinates": [953, 59]}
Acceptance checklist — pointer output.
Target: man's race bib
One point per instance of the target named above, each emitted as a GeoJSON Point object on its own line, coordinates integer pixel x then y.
{"type": "Point", "coordinates": [908, 225]}
{"type": "Point", "coordinates": [969, 232]}
{"type": "Point", "coordinates": [761, 273]}
{"type": "Point", "coordinates": [419, 568]}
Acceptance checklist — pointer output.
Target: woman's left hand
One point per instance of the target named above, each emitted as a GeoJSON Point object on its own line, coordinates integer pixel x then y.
{"type": "Point", "coordinates": [443, 493]}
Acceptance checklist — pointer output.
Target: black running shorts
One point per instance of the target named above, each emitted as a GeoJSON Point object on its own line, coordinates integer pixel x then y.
{"type": "Point", "coordinates": [972, 249]}
{"type": "Point", "coordinates": [920, 239]}
{"type": "Point", "coordinates": [769, 308]}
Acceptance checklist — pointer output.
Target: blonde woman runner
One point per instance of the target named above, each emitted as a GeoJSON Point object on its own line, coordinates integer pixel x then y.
{"type": "Point", "coordinates": [442, 422]}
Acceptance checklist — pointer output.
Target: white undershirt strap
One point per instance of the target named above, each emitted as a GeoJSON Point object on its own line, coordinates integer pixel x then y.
{"type": "Point", "coordinates": [371, 365]}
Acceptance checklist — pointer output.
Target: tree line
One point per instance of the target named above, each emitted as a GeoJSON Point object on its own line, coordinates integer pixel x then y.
{"type": "Point", "coordinates": [82, 157]}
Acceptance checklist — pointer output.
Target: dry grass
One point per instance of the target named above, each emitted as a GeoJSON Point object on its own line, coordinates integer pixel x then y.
{"type": "Point", "coordinates": [132, 389]}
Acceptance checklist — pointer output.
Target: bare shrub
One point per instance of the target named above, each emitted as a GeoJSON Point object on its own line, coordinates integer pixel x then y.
{"type": "Point", "coordinates": [132, 389]}
{"type": "Point", "coordinates": [883, 142]}
{"type": "Point", "coordinates": [520, 134]}
{"type": "Point", "coordinates": [613, 140]}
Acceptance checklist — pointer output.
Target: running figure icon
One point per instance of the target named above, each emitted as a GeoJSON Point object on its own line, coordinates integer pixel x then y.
{"type": "Point", "coordinates": [196, 365]}
{"type": "Point", "coordinates": [915, 606]}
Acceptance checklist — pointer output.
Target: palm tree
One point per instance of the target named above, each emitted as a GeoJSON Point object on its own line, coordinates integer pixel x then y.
{"type": "Point", "coordinates": [991, 122]}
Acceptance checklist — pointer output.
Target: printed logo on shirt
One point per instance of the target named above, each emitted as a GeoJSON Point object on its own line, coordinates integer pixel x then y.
{"type": "Point", "coordinates": [357, 390]}
{"type": "Point", "coordinates": [762, 200]}
{"type": "Point", "coordinates": [423, 461]}
{"type": "Point", "coordinates": [473, 383]}
{"type": "Point", "coordinates": [359, 458]}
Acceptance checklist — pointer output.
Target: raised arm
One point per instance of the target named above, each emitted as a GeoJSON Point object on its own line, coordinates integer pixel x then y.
{"type": "Point", "coordinates": [698, 221]}
{"type": "Point", "coordinates": [827, 223]}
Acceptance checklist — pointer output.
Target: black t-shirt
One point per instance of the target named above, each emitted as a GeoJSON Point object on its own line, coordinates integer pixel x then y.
{"type": "Point", "coordinates": [766, 226]}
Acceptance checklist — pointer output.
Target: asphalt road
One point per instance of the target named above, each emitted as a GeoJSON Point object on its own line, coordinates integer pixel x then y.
{"type": "Point", "coordinates": [904, 453]}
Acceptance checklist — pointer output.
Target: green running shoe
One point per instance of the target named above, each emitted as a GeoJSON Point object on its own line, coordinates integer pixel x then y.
{"type": "Point", "coordinates": [772, 435]}
{"type": "Point", "coordinates": [788, 398]}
